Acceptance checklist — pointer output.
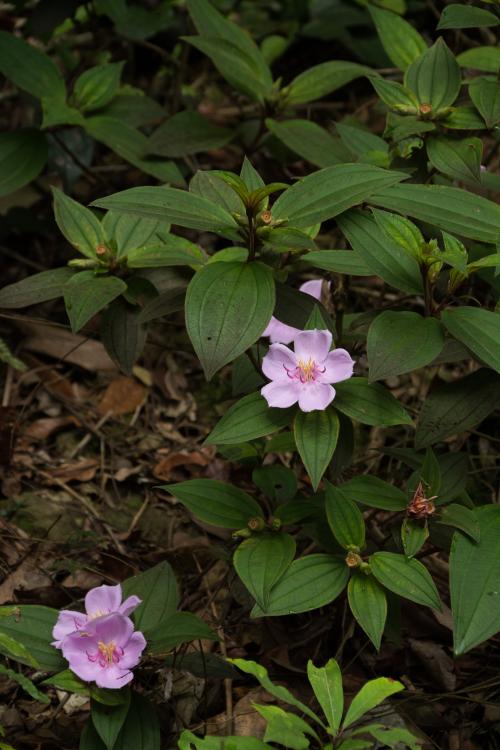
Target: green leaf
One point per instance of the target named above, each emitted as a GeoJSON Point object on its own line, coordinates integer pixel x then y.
{"type": "Point", "coordinates": [16, 650]}
{"type": "Point", "coordinates": [371, 694]}
{"type": "Point", "coordinates": [261, 561]}
{"type": "Point", "coordinates": [405, 577]}
{"type": "Point", "coordinates": [129, 143]}
{"type": "Point", "coordinates": [228, 306]}
{"type": "Point", "coordinates": [344, 517]}
{"type": "Point", "coordinates": [402, 43]}
{"type": "Point", "coordinates": [402, 231]}
{"type": "Point", "coordinates": [97, 86]}
{"type": "Point", "coordinates": [322, 79]}
{"type": "Point", "coordinates": [392, 736]}
{"type": "Point", "coordinates": [40, 287]}
{"type": "Point", "coordinates": [455, 253]}
{"type": "Point", "coordinates": [430, 472]}
{"type": "Point", "coordinates": [141, 729]}
{"type": "Point", "coordinates": [108, 720]}
{"type": "Point", "coordinates": [435, 77]}
{"type": "Point", "coordinates": [283, 239]}
{"type": "Point", "coordinates": [23, 154]}
{"type": "Point", "coordinates": [414, 534]}
{"type": "Point", "coordinates": [232, 50]}
{"type": "Point", "coordinates": [316, 434]}
{"type": "Point", "coordinates": [134, 106]}
{"type": "Point", "coordinates": [461, 159]}
{"type": "Point", "coordinates": [175, 251]}
{"type": "Point", "coordinates": [27, 685]}
{"type": "Point", "coordinates": [475, 582]}
{"type": "Point", "coordinates": [214, 502]}
{"type": "Point", "coordinates": [310, 582]}
{"type": "Point", "coordinates": [459, 16]}
{"type": "Point", "coordinates": [310, 141]}
{"type": "Point", "coordinates": [78, 224]}
{"type": "Point", "coordinates": [181, 627]}
{"type": "Point", "coordinates": [396, 97]}
{"type": "Point", "coordinates": [247, 419]}
{"type": "Point", "coordinates": [29, 68]}
{"type": "Point", "coordinates": [69, 682]}
{"type": "Point", "coordinates": [278, 691]}
{"type": "Point", "coordinates": [32, 626]}
{"type": "Point", "coordinates": [277, 482]}
{"type": "Point", "coordinates": [455, 210]}
{"type": "Point", "coordinates": [207, 184]}
{"type": "Point", "coordinates": [463, 118]}
{"type": "Point", "coordinates": [86, 294]}
{"type": "Point", "coordinates": [284, 727]}
{"type": "Point", "coordinates": [375, 493]}
{"type": "Point", "coordinates": [400, 342]}
{"type": "Point", "coordinates": [369, 403]}
{"type": "Point", "coordinates": [57, 112]}
{"type": "Point", "coordinates": [486, 59]}
{"type": "Point", "coordinates": [186, 133]}
{"type": "Point", "coordinates": [159, 593]}
{"type": "Point", "coordinates": [130, 232]}
{"type": "Point", "coordinates": [338, 261]}
{"type": "Point", "coordinates": [331, 191]}
{"type": "Point", "coordinates": [462, 518]}
{"type": "Point", "coordinates": [295, 308]}
{"type": "Point", "coordinates": [170, 204]}
{"type": "Point", "coordinates": [368, 604]}
{"type": "Point", "coordinates": [454, 408]}
{"type": "Point", "coordinates": [327, 685]}
{"type": "Point", "coordinates": [380, 253]}
{"type": "Point", "coordinates": [123, 334]}
{"type": "Point", "coordinates": [187, 740]}
{"type": "Point", "coordinates": [478, 329]}
{"type": "Point", "coordinates": [361, 142]}
{"type": "Point", "coordinates": [250, 176]}
{"type": "Point", "coordinates": [89, 739]}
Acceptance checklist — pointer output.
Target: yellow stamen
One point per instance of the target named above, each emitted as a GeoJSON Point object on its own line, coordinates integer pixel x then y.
{"type": "Point", "coordinates": [306, 369]}
{"type": "Point", "coordinates": [107, 650]}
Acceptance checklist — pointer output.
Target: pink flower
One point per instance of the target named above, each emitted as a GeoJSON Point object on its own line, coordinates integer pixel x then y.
{"type": "Point", "coordinates": [282, 333]}
{"type": "Point", "coordinates": [105, 651]}
{"type": "Point", "coordinates": [100, 601]}
{"type": "Point", "coordinates": [305, 374]}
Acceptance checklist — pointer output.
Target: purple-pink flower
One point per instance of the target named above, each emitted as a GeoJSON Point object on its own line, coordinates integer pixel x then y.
{"type": "Point", "coordinates": [282, 333]}
{"type": "Point", "coordinates": [305, 375]}
{"type": "Point", "coordinates": [105, 651]}
{"type": "Point", "coordinates": [99, 601]}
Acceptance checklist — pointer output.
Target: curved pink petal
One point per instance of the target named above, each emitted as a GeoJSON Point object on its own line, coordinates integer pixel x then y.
{"type": "Point", "coordinates": [315, 396]}
{"type": "Point", "coordinates": [84, 669]}
{"type": "Point", "coordinates": [339, 366]}
{"type": "Point", "coordinates": [133, 650]}
{"type": "Point", "coordinates": [113, 677]}
{"type": "Point", "coordinates": [281, 394]}
{"type": "Point", "coordinates": [279, 332]}
{"type": "Point", "coordinates": [114, 627]}
{"type": "Point", "coordinates": [102, 600]}
{"type": "Point", "coordinates": [68, 622]}
{"type": "Point", "coordinates": [76, 646]}
{"type": "Point", "coordinates": [127, 607]}
{"type": "Point", "coordinates": [314, 287]}
{"type": "Point", "coordinates": [277, 361]}
{"type": "Point", "coordinates": [313, 345]}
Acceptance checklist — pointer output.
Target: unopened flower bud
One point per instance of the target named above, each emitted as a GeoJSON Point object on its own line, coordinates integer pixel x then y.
{"type": "Point", "coordinates": [101, 250]}
{"type": "Point", "coordinates": [256, 524]}
{"type": "Point", "coordinates": [275, 524]}
{"type": "Point", "coordinates": [353, 560]}
{"type": "Point", "coordinates": [425, 109]}
{"type": "Point", "coordinates": [266, 217]}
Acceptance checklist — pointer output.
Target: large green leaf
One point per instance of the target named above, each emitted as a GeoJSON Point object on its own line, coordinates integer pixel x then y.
{"type": "Point", "coordinates": [331, 191]}
{"type": "Point", "coordinates": [310, 582]}
{"type": "Point", "coordinates": [322, 79]}
{"type": "Point", "coordinates": [32, 626]}
{"type": "Point", "coordinates": [181, 627]}
{"type": "Point", "coordinates": [327, 685]}
{"type": "Point", "coordinates": [108, 720]}
{"type": "Point", "coordinates": [23, 154]}
{"type": "Point", "coordinates": [344, 517]}
{"type": "Point", "coordinates": [261, 561]}
{"type": "Point", "coordinates": [460, 16]}
{"type": "Point", "coordinates": [486, 59]}
{"type": "Point", "coordinates": [435, 77]}
{"type": "Point", "coordinates": [475, 582]}
{"type": "Point", "coordinates": [40, 287]}
{"type": "Point", "coordinates": [78, 224]}
{"type": "Point", "coordinates": [310, 141]}
{"type": "Point", "coordinates": [97, 86]}
{"type": "Point", "coordinates": [186, 133]}
{"type": "Point", "coordinates": [123, 333]}
{"type": "Point", "coordinates": [29, 68]}
{"type": "Point", "coordinates": [371, 694]}
{"type": "Point", "coordinates": [316, 434]}
{"type": "Point", "coordinates": [169, 204]}
{"type": "Point", "coordinates": [400, 40]}
{"type": "Point", "coordinates": [159, 593]}
{"type": "Point", "coordinates": [453, 408]}
{"type": "Point", "coordinates": [478, 329]}
{"type": "Point", "coordinates": [214, 502]}
{"type": "Point", "coordinates": [381, 254]}
{"type": "Point", "coordinates": [27, 685]}
{"type": "Point", "coordinates": [141, 729]}
{"type": "Point", "coordinates": [368, 604]}
{"type": "Point", "coordinates": [247, 419]}
{"type": "Point", "coordinates": [455, 210]}
{"type": "Point", "coordinates": [86, 294]}
{"type": "Point", "coordinates": [338, 261]}
{"type": "Point", "coordinates": [369, 403]}
{"type": "Point", "coordinates": [130, 232]}
{"type": "Point", "coordinates": [174, 251]}
{"type": "Point", "coordinates": [374, 492]}
{"type": "Point", "coordinates": [458, 158]}
{"type": "Point", "coordinates": [405, 577]}
{"type": "Point", "coordinates": [485, 93]}
{"type": "Point", "coordinates": [228, 306]}
{"type": "Point", "coordinates": [400, 342]}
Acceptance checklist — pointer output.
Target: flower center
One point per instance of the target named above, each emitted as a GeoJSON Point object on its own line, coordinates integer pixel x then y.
{"type": "Point", "coordinates": [97, 613]}
{"type": "Point", "coordinates": [107, 654]}
{"type": "Point", "coordinates": [306, 372]}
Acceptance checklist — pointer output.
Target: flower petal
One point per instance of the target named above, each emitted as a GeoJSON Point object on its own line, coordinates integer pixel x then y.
{"type": "Point", "coordinates": [314, 287]}
{"type": "Point", "coordinates": [315, 396]}
{"type": "Point", "coordinates": [102, 600]}
{"type": "Point", "coordinates": [133, 650]}
{"type": "Point", "coordinates": [279, 332]}
{"type": "Point", "coordinates": [278, 359]}
{"type": "Point", "coordinates": [281, 394]}
{"type": "Point", "coordinates": [339, 366]}
{"type": "Point", "coordinates": [114, 627]}
{"type": "Point", "coordinates": [127, 607]}
{"type": "Point", "coordinates": [113, 677]}
{"type": "Point", "coordinates": [313, 345]}
{"type": "Point", "coordinates": [68, 622]}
